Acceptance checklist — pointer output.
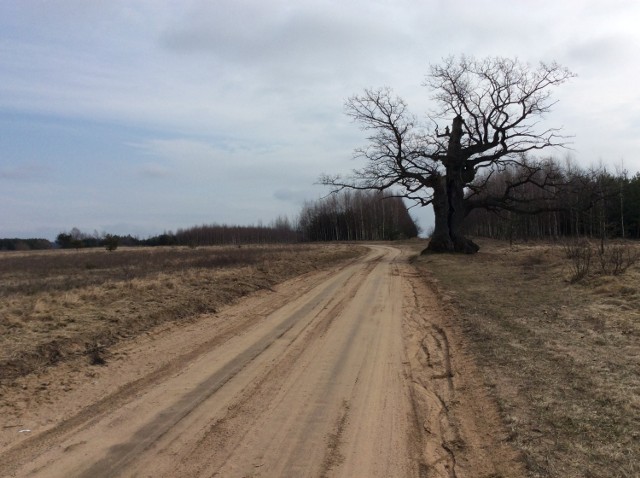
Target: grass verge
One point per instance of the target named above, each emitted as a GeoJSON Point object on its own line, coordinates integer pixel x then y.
{"type": "Point", "coordinates": [561, 358]}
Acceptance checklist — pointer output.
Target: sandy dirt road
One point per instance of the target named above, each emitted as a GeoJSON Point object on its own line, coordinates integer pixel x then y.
{"type": "Point", "coordinates": [343, 374]}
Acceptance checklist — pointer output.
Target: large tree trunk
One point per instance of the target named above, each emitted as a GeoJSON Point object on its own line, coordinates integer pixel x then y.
{"type": "Point", "coordinates": [448, 200]}
{"type": "Point", "coordinates": [440, 239]}
{"type": "Point", "coordinates": [457, 213]}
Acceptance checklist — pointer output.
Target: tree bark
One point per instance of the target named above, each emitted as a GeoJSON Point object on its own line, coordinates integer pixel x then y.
{"type": "Point", "coordinates": [440, 239]}
{"type": "Point", "coordinates": [457, 212]}
{"type": "Point", "coordinates": [448, 200]}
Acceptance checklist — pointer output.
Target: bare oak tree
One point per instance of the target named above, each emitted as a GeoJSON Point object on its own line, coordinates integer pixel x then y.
{"type": "Point", "coordinates": [491, 109]}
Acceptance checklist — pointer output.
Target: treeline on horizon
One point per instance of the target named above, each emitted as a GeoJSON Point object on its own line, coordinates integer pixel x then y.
{"type": "Point", "coordinates": [562, 200]}
{"type": "Point", "coordinates": [345, 216]}
{"type": "Point", "coordinates": [357, 216]}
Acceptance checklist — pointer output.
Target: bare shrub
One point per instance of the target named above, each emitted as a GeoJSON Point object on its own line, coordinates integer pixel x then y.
{"type": "Point", "coordinates": [610, 259]}
{"type": "Point", "coordinates": [580, 254]}
{"type": "Point", "coordinates": [616, 259]}
{"type": "Point", "coordinates": [573, 248]}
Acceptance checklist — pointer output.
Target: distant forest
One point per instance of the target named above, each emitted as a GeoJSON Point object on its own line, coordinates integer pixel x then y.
{"type": "Point", "coordinates": [346, 216]}
{"type": "Point", "coordinates": [24, 244]}
{"type": "Point", "coordinates": [561, 201]}
{"type": "Point", "coordinates": [356, 216]}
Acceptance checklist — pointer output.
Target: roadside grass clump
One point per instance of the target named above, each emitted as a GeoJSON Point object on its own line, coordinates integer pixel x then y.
{"type": "Point", "coordinates": [65, 305]}
{"type": "Point", "coordinates": [560, 357]}
{"type": "Point", "coordinates": [96, 353]}
{"type": "Point", "coordinates": [534, 258]}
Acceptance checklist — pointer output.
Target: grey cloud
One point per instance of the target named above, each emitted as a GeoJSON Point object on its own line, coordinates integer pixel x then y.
{"type": "Point", "coordinates": [284, 32]}
{"type": "Point", "coordinates": [23, 172]}
{"type": "Point", "coordinates": [155, 171]}
{"type": "Point", "coordinates": [599, 52]}
{"type": "Point", "coordinates": [296, 196]}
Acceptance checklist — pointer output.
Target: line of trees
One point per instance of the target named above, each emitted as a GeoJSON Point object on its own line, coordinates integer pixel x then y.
{"type": "Point", "coordinates": [346, 216]}
{"type": "Point", "coordinates": [560, 200]}
{"type": "Point", "coordinates": [16, 244]}
{"type": "Point", "coordinates": [356, 216]}
{"type": "Point", "coordinates": [279, 231]}
{"type": "Point", "coordinates": [76, 239]}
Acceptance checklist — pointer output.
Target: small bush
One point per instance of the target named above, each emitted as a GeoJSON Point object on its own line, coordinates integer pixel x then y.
{"type": "Point", "coordinates": [611, 259]}
{"type": "Point", "coordinates": [575, 248]}
{"type": "Point", "coordinates": [111, 242]}
{"type": "Point", "coordinates": [616, 259]}
{"type": "Point", "coordinates": [580, 261]}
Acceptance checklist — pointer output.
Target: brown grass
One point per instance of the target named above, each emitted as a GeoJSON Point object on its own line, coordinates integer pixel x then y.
{"type": "Point", "coordinates": [58, 305]}
{"type": "Point", "coordinates": [562, 359]}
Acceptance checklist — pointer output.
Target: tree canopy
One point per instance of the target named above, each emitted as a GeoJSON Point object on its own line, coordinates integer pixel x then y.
{"type": "Point", "coordinates": [486, 117]}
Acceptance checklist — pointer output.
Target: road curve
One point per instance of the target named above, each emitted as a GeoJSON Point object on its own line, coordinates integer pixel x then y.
{"type": "Point", "coordinates": [317, 387]}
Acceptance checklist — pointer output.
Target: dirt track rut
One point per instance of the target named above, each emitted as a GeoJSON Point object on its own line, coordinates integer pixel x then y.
{"type": "Point", "coordinates": [347, 377]}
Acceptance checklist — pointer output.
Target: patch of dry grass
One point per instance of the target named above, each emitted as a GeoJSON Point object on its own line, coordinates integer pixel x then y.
{"type": "Point", "coordinates": [57, 305]}
{"type": "Point", "coordinates": [561, 358]}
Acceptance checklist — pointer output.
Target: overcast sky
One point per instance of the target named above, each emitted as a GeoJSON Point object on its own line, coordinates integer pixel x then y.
{"type": "Point", "coordinates": [145, 116]}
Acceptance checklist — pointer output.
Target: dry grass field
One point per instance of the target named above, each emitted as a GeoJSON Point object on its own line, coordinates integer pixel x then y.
{"type": "Point", "coordinates": [558, 349]}
{"type": "Point", "coordinates": [561, 357]}
{"type": "Point", "coordinates": [62, 305]}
